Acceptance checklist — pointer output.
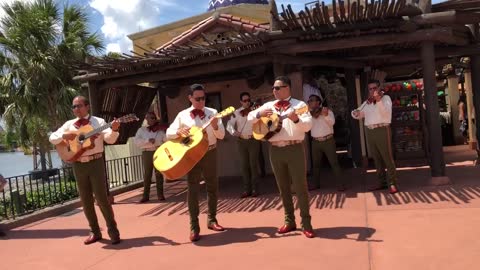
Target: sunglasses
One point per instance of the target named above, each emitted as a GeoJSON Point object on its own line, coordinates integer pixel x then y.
{"type": "Point", "coordinates": [246, 100]}
{"type": "Point", "coordinates": [77, 106]}
{"type": "Point", "coordinates": [198, 99]}
{"type": "Point", "coordinates": [276, 88]}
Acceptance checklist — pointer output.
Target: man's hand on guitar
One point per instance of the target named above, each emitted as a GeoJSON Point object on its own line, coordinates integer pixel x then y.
{"type": "Point", "coordinates": [69, 136]}
{"type": "Point", "coordinates": [183, 132]}
{"type": "Point", "coordinates": [214, 123]}
{"type": "Point", "coordinates": [237, 134]}
{"type": "Point", "coordinates": [115, 125]}
{"type": "Point", "coordinates": [293, 116]}
{"type": "Point", "coordinates": [266, 113]}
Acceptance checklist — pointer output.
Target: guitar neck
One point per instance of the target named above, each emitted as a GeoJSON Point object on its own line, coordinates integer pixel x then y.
{"type": "Point", "coordinates": [98, 130]}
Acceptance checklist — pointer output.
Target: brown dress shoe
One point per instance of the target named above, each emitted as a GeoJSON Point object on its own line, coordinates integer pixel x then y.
{"type": "Point", "coordinates": [378, 187]}
{"type": "Point", "coordinates": [286, 228]}
{"type": "Point", "coordinates": [92, 238]}
{"type": "Point", "coordinates": [144, 200]}
{"type": "Point", "coordinates": [244, 195]}
{"type": "Point", "coordinates": [309, 233]}
{"type": "Point", "coordinates": [194, 236]}
{"type": "Point", "coordinates": [161, 198]}
{"type": "Point", "coordinates": [393, 189]}
{"type": "Point", "coordinates": [215, 227]}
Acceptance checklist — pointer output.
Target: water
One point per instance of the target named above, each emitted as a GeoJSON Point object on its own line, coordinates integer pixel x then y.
{"type": "Point", "coordinates": [16, 163]}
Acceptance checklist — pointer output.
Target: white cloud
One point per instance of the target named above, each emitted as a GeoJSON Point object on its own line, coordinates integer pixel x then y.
{"type": "Point", "coordinates": [124, 17]}
{"type": "Point", "coordinates": [113, 47]}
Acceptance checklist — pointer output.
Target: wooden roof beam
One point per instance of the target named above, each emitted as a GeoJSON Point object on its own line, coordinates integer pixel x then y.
{"type": "Point", "coordinates": [307, 61]}
{"type": "Point", "coordinates": [191, 71]}
{"type": "Point", "coordinates": [441, 35]}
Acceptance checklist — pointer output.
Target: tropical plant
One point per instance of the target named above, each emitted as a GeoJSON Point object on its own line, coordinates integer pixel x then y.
{"type": "Point", "coordinates": [38, 45]}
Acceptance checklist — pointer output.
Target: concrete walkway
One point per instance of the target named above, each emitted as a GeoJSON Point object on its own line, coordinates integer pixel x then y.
{"type": "Point", "coordinates": [422, 227]}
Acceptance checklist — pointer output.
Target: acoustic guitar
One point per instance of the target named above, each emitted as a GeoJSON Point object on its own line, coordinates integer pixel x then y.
{"type": "Point", "coordinates": [70, 151]}
{"type": "Point", "coordinates": [266, 127]}
{"type": "Point", "coordinates": [175, 158]}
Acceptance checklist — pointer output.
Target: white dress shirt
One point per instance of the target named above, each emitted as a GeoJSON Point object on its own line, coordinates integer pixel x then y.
{"type": "Point", "coordinates": [379, 113]}
{"type": "Point", "coordinates": [107, 135]}
{"type": "Point", "coordinates": [309, 90]}
{"type": "Point", "coordinates": [290, 131]}
{"type": "Point", "coordinates": [239, 123]}
{"type": "Point", "coordinates": [184, 119]}
{"type": "Point", "coordinates": [323, 125]}
{"type": "Point", "coordinates": [143, 136]}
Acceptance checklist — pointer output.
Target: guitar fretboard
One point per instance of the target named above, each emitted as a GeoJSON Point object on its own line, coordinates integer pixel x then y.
{"type": "Point", "coordinates": [97, 130]}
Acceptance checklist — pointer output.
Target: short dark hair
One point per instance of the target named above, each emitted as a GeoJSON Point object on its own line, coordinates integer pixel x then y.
{"type": "Point", "coordinates": [285, 80]}
{"type": "Point", "coordinates": [377, 82]}
{"type": "Point", "coordinates": [244, 94]}
{"type": "Point", "coordinates": [84, 99]}
{"type": "Point", "coordinates": [196, 87]}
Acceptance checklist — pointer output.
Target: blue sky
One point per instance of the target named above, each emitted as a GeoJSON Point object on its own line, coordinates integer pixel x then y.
{"type": "Point", "coordinates": [115, 19]}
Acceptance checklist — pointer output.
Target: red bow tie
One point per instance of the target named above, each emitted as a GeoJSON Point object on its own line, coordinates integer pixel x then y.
{"type": "Point", "coordinates": [196, 112]}
{"type": "Point", "coordinates": [81, 122]}
{"type": "Point", "coordinates": [245, 112]}
{"type": "Point", "coordinates": [282, 105]}
{"type": "Point", "coordinates": [154, 128]}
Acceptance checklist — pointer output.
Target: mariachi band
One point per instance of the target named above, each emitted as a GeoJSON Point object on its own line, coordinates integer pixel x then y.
{"type": "Point", "coordinates": [283, 123]}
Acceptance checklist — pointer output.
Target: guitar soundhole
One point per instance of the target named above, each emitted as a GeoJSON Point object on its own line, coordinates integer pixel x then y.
{"type": "Point", "coordinates": [81, 137]}
{"type": "Point", "coordinates": [186, 140]}
{"type": "Point", "coordinates": [269, 123]}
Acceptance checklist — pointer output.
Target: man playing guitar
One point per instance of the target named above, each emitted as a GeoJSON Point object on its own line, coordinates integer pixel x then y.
{"type": "Point", "coordinates": [89, 169]}
{"type": "Point", "coordinates": [197, 115]}
{"type": "Point", "coordinates": [377, 111]}
{"type": "Point", "coordinates": [287, 154]}
{"type": "Point", "coordinates": [248, 147]}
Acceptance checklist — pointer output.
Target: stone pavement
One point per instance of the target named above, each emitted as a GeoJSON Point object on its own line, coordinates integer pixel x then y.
{"type": "Point", "coordinates": [422, 227]}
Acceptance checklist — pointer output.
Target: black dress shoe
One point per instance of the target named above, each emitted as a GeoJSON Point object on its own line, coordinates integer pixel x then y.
{"type": "Point", "coordinates": [115, 240]}
{"type": "Point", "coordinates": [92, 238]}
{"type": "Point", "coordinates": [244, 195]}
{"type": "Point", "coordinates": [144, 200]}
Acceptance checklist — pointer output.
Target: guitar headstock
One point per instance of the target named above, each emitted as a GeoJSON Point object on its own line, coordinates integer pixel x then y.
{"type": "Point", "coordinates": [128, 118]}
{"type": "Point", "coordinates": [225, 112]}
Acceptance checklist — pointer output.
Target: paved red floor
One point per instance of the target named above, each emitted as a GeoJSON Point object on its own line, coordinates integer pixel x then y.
{"type": "Point", "coordinates": [422, 227]}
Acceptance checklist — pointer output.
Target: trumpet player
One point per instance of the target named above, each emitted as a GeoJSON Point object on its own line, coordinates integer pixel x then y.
{"type": "Point", "coordinates": [377, 111]}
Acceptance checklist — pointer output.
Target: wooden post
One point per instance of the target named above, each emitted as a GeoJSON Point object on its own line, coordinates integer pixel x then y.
{"type": "Point", "coordinates": [355, 138]}
{"type": "Point", "coordinates": [469, 93]}
{"type": "Point", "coordinates": [437, 163]}
{"type": "Point", "coordinates": [453, 96]}
{"type": "Point", "coordinates": [475, 64]}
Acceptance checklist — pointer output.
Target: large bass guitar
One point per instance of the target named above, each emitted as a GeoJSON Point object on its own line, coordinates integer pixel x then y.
{"type": "Point", "coordinates": [70, 151]}
{"type": "Point", "coordinates": [175, 158]}
{"type": "Point", "coordinates": [266, 127]}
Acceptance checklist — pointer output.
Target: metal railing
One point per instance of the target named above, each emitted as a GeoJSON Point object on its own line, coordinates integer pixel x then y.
{"type": "Point", "coordinates": [25, 194]}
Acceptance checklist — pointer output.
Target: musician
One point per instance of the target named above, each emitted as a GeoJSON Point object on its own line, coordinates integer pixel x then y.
{"type": "Point", "coordinates": [377, 111]}
{"type": "Point", "coordinates": [248, 147]}
{"type": "Point", "coordinates": [287, 153]}
{"type": "Point", "coordinates": [89, 169]}
{"type": "Point", "coordinates": [323, 142]}
{"type": "Point", "coordinates": [197, 115]}
{"type": "Point", "coordinates": [149, 138]}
